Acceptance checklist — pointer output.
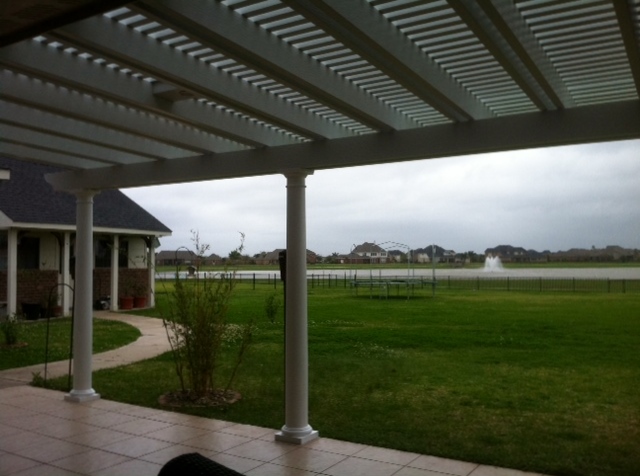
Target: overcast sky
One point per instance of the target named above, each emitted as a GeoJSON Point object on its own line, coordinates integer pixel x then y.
{"type": "Point", "coordinates": [543, 199]}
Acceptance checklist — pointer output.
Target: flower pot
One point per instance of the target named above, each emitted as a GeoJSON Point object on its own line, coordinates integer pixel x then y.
{"type": "Point", "coordinates": [126, 302]}
{"type": "Point", "coordinates": [31, 311]}
{"type": "Point", "coordinates": [140, 301]}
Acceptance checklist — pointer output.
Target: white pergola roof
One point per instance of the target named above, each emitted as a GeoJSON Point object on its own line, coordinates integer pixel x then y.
{"type": "Point", "coordinates": [166, 91]}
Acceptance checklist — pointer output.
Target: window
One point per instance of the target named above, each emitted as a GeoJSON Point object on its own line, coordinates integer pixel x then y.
{"type": "Point", "coordinates": [102, 252]}
{"type": "Point", "coordinates": [29, 253]}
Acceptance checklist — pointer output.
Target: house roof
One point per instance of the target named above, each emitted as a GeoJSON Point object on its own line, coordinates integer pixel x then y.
{"type": "Point", "coordinates": [167, 91]}
{"type": "Point", "coordinates": [367, 247]}
{"type": "Point", "coordinates": [27, 198]}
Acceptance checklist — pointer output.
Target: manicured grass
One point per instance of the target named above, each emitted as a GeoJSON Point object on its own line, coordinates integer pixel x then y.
{"type": "Point", "coordinates": [107, 335]}
{"type": "Point", "coordinates": [539, 382]}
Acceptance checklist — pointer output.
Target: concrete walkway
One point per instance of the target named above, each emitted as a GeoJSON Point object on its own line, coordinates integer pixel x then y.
{"type": "Point", "coordinates": [152, 342]}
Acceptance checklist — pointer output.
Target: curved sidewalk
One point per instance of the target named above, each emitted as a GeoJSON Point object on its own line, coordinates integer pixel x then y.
{"type": "Point", "coordinates": [152, 342]}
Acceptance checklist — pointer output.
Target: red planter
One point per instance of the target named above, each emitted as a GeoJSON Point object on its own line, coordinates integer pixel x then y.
{"type": "Point", "coordinates": [126, 302]}
{"type": "Point", "coordinates": [140, 301]}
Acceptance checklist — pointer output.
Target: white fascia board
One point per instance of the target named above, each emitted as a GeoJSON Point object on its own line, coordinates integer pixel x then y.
{"type": "Point", "coordinates": [127, 47]}
{"type": "Point", "coordinates": [600, 123]}
{"type": "Point", "coordinates": [96, 230]}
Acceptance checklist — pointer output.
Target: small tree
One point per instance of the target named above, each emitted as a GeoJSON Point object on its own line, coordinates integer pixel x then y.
{"type": "Point", "coordinates": [197, 327]}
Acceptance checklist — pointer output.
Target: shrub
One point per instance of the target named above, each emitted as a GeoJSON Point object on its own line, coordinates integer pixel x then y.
{"type": "Point", "coordinates": [198, 330]}
{"type": "Point", "coordinates": [10, 329]}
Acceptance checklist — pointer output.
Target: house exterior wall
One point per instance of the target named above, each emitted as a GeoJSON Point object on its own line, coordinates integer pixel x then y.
{"type": "Point", "coordinates": [137, 253]}
{"type": "Point", "coordinates": [49, 251]}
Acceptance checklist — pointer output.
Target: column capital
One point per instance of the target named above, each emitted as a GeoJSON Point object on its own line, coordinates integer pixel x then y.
{"type": "Point", "coordinates": [85, 194]}
{"type": "Point", "coordinates": [296, 173]}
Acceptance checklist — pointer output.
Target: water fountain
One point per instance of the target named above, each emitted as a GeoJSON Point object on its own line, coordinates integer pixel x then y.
{"type": "Point", "coordinates": [493, 264]}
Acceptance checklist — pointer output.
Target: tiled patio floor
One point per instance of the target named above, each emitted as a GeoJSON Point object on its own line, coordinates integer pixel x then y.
{"type": "Point", "coordinates": [41, 434]}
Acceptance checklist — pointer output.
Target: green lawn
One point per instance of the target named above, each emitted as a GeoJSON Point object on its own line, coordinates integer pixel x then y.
{"type": "Point", "coordinates": [539, 382]}
{"type": "Point", "coordinates": [107, 335]}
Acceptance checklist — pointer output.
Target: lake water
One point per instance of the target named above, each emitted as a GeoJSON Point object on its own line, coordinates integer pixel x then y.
{"type": "Point", "coordinates": [579, 273]}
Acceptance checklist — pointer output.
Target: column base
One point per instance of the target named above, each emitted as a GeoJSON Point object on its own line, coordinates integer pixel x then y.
{"type": "Point", "coordinates": [81, 397]}
{"type": "Point", "coordinates": [297, 437]}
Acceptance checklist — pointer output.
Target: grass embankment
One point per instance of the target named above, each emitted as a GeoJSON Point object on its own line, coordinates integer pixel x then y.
{"type": "Point", "coordinates": [107, 335]}
{"type": "Point", "coordinates": [539, 382]}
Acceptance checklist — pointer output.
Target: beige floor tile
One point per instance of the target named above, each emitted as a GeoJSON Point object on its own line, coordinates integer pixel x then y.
{"type": "Point", "coordinates": [21, 439]}
{"type": "Point", "coordinates": [216, 441]}
{"type": "Point", "coordinates": [33, 421]}
{"type": "Point", "coordinates": [310, 460]}
{"type": "Point", "coordinates": [106, 419]}
{"type": "Point", "coordinates": [140, 426]}
{"type": "Point", "coordinates": [443, 465]}
{"type": "Point", "coordinates": [46, 470]}
{"type": "Point", "coordinates": [99, 438]}
{"type": "Point", "coordinates": [408, 471]}
{"type": "Point", "coordinates": [353, 466]}
{"type": "Point", "coordinates": [163, 456]}
{"type": "Point", "coordinates": [335, 446]}
{"type": "Point", "coordinates": [262, 450]}
{"type": "Point", "coordinates": [269, 469]}
{"type": "Point", "coordinates": [90, 461]}
{"type": "Point", "coordinates": [386, 455]}
{"type": "Point", "coordinates": [64, 429]}
{"type": "Point", "coordinates": [493, 471]}
{"type": "Point", "coordinates": [242, 465]}
{"type": "Point", "coordinates": [177, 433]}
{"type": "Point", "coordinates": [10, 463]}
{"type": "Point", "coordinates": [248, 430]}
{"type": "Point", "coordinates": [209, 424]}
{"type": "Point", "coordinates": [131, 468]}
{"type": "Point", "coordinates": [51, 450]}
{"type": "Point", "coordinates": [136, 446]}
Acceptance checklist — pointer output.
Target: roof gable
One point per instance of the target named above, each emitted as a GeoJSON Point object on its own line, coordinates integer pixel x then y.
{"type": "Point", "coordinates": [27, 198]}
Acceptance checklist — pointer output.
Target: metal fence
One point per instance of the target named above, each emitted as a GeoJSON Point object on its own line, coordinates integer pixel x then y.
{"type": "Point", "coordinates": [479, 283]}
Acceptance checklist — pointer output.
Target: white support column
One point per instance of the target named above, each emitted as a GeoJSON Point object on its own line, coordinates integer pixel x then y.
{"type": "Point", "coordinates": [151, 267]}
{"type": "Point", "coordinates": [66, 275]}
{"type": "Point", "coordinates": [12, 271]}
{"type": "Point", "coordinates": [296, 428]}
{"type": "Point", "coordinates": [115, 270]}
{"type": "Point", "coordinates": [83, 321]}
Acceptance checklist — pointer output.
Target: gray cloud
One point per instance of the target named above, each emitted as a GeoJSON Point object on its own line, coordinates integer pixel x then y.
{"type": "Point", "coordinates": [552, 198]}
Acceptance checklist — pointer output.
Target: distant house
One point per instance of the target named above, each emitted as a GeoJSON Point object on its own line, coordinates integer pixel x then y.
{"type": "Point", "coordinates": [184, 257]}
{"type": "Point", "coordinates": [272, 257]}
{"type": "Point", "coordinates": [371, 252]}
{"type": "Point", "coordinates": [425, 255]}
{"type": "Point", "coordinates": [37, 239]}
{"type": "Point", "coordinates": [509, 254]}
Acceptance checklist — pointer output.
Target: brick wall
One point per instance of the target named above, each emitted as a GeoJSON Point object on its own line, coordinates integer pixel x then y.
{"type": "Point", "coordinates": [130, 282]}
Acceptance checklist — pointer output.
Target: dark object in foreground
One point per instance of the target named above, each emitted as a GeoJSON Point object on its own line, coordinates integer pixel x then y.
{"type": "Point", "coordinates": [194, 464]}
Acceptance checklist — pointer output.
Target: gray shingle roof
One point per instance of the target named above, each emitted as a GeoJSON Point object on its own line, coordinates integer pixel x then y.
{"type": "Point", "coordinates": [28, 198]}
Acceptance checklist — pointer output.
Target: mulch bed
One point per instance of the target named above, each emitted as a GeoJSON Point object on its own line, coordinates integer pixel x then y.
{"type": "Point", "coordinates": [214, 398]}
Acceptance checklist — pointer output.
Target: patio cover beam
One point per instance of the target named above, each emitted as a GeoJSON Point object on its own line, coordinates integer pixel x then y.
{"type": "Point", "coordinates": [216, 26]}
{"type": "Point", "coordinates": [626, 20]}
{"type": "Point", "coordinates": [381, 44]}
{"type": "Point", "coordinates": [129, 48]}
{"type": "Point", "coordinates": [504, 33]}
{"type": "Point", "coordinates": [43, 121]}
{"type": "Point", "coordinates": [608, 122]}
{"type": "Point", "coordinates": [76, 73]}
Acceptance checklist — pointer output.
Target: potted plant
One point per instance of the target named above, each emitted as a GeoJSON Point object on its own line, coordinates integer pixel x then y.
{"type": "Point", "coordinates": [31, 310]}
{"type": "Point", "coordinates": [50, 306]}
{"type": "Point", "coordinates": [139, 295]}
{"type": "Point", "coordinates": [126, 297]}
